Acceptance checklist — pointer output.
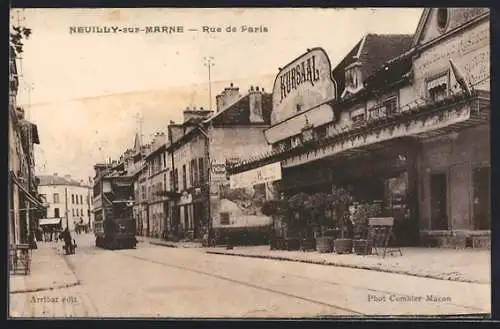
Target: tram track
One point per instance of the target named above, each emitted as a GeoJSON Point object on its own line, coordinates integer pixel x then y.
{"type": "Point", "coordinates": [468, 308]}
{"type": "Point", "coordinates": [248, 284]}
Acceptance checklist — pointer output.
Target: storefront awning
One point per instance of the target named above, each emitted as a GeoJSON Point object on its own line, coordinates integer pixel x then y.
{"type": "Point", "coordinates": [454, 113]}
{"type": "Point", "coordinates": [50, 221]}
{"type": "Point", "coordinates": [29, 196]}
{"type": "Point", "coordinates": [317, 116]}
{"type": "Point", "coordinates": [418, 123]}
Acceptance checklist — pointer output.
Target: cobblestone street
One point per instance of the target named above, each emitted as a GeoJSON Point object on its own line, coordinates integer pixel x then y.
{"type": "Point", "coordinates": [180, 282]}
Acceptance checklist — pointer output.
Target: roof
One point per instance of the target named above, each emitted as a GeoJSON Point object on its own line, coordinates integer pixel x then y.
{"type": "Point", "coordinates": [239, 112]}
{"type": "Point", "coordinates": [50, 221]}
{"type": "Point", "coordinates": [379, 48]}
{"type": "Point", "coordinates": [372, 51]}
{"type": "Point", "coordinates": [160, 148]}
{"type": "Point", "coordinates": [46, 180]}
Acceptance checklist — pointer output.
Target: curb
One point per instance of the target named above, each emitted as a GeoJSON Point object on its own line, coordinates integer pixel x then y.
{"type": "Point", "coordinates": [61, 286]}
{"type": "Point", "coordinates": [169, 245]}
{"type": "Point", "coordinates": [163, 244]}
{"type": "Point", "coordinates": [360, 267]}
{"type": "Point", "coordinates": [74, 283]}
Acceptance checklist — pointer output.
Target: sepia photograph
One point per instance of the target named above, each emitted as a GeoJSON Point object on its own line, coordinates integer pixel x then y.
{"type": "Point", "coordinates": [249, 163]}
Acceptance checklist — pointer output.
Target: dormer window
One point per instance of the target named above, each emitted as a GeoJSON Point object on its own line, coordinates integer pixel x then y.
{"type": "Point", "coordinates": [353, 81]}
{"type": "Point", "coordinates": [437, 88]}
{"type": "Point", "coordinates": [442, 18]}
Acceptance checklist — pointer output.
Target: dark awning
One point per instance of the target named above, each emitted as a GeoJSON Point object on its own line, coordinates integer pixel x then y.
{"type": "Point", "coordinates": [33, 199]}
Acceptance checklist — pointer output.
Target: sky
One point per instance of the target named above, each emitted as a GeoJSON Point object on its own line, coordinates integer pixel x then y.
{"type": "Point", "coordinates": [86, 90]}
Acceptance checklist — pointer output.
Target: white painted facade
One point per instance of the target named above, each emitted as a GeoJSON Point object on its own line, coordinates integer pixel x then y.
{"type": "Point", "coordinates": [73, 198]}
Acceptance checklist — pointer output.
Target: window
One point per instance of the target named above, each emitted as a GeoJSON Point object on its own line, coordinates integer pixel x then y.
{"type": "Point", "coordinates": [437, 88]}
{"type": "Point", "coordinates": [195, 172]}
{"type": "Point", "coordinates": [165, 182]}
{"type": "Point", "coordinates": [172, 181]}
{"type": "Point", "coordinates": [191, 173]}
{"type": "Point", "coordinates": [176, 179]}
{"type": "Point", "coordinates": [201, 170]}
{"type": "Point", "coordinates": [81, 212]}
{"type": "Point", "coordinates": [321, 132]}
{"type": "Point", "coordinates": [224, 218]}
{"type": "Point", "coordinates": [73, 212]}
{"type": "Point", "coordinates": [358, 116]}
{"type": "Point", "coordinates": [164, 160]}
{"type": "Point", "coordinates": [81, 199]}
{"type": "Point", "coordinates": [442, 18]}
{"type": "Point", "coordinates": [390, 105]}
{"type": "Point", "coordinates": [56, 198]}
{"type": "Point", "coordinates": [184, 178]}
{"type": "Point", "coordinates": [56, 212]}
{"type": "Point", "coordinates": [72, 199]}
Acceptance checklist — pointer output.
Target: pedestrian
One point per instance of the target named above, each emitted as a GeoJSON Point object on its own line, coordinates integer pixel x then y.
{"type": "Point", "coordinates": [68, 243]}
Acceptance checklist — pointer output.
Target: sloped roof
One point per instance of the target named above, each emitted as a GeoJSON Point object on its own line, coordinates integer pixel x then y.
{"type": "Point", "coordinates": [379, 48]}
{"type": "Point", "coordinates": [46, 180]}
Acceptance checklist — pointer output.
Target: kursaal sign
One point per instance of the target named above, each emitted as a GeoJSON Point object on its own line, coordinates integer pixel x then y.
{"type": "Point", "coordinates": [304, 83]}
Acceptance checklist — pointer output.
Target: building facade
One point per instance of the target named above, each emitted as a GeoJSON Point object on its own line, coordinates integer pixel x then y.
{"type": "Point", "coordinates": [398, 121]}
{"type": "Point", "coordinates": [200, 149]}
{"type": "Point", "coordinates": [68, 199]}
{"type": "Point", "coordinates": [25, 206]}
{"type": "Point", "coordinates": [158, 181]}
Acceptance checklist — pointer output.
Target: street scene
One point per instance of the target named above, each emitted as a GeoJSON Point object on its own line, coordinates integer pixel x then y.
{"type": "Point", "coordinates": [316, 176]}
{"type": "Point", "coordinates": [158, 281]}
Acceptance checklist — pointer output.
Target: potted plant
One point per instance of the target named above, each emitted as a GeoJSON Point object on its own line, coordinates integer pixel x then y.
{"type": "Point", "coordinates": [296, 219]}
{"type": "Point", "coordinates": [318, 204]}
{"type": "Point", "coordinates": [274, 209]}
{"type": "Point", "coordinates": [360, 218]}
{"type": "Point", "coordinates": [342, 199]}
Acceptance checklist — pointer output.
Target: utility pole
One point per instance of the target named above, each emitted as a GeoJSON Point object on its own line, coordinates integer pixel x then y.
{"type": "Point", "coordinates": [208, 62]}
{"type": "Point", "coordinates": [66, 206]}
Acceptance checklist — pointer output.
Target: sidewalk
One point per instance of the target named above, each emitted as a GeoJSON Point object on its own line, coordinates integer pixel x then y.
{"type": "Point", "coordinates": [171, 244]}
{"type": "Point", "coordinates": [466, 265]}
{"type": "Point", "coordinates": [49, 271]}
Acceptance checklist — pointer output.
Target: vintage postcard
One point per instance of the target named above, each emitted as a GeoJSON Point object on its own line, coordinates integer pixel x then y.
{"type": "Point", "coordinates": [249, 163]}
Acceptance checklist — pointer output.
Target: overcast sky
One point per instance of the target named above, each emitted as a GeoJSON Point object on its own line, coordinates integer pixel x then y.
{"type": "Point", "coordinates": [87, 89]}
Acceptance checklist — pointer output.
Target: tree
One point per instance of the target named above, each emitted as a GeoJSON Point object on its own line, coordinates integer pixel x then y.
{"type": "Point", "coordinates": [17, 35]}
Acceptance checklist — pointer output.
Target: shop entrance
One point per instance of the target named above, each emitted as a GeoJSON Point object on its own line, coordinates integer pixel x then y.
{"type": "Point", "coordinates": [439, 201]}
{"type": "Point", "coordinates": [482, 198]}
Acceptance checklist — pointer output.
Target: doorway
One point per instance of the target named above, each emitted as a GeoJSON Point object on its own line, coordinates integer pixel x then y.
{"type": "Point", "coordinates": [439, 201]}
{"type": "Point", "coordinates": [482, 198]}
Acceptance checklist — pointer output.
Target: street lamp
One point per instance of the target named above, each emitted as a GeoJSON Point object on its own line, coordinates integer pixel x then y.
{"type": "Point", "coordinates": [208, 62]}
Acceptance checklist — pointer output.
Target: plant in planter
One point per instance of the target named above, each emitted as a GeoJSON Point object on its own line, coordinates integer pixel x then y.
{"type": "Point", "coordinates": [318, 204]}
{"type": "Point", "coordinates": [274, 209]}
{"type": "Point", "coordinates": [295, 218]}
{"type": "Point", "coordinates": [360, 218]}
{"type": "Point", "coordinates": [342, 199]}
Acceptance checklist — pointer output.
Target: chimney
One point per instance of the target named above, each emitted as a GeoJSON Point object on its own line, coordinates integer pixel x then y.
{"type": "Point", "coordinates": [200, 113]}
{"type": "Point", "coordinates": [228, 97]}
{"type": "Point", "coordinates": [255, 103]}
